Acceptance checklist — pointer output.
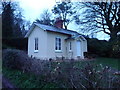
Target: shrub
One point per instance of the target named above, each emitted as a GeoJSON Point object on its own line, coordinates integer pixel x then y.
{"type": "Point", "coordinates": [68, 75]}
{"type": "Point", "coordinates": [116, 49]}
{"type": "Point", "coordinates": [89, 76]}
{"type": "Point", "coordinates": [38, 66]}
{"type": "Point", "coordinates": [65, 74]}
{"type": "Point", "coordinates": [17, 43]}
{"type": "Point", "coordinates": [99, 47]}
{"type": "Point", "coordinates": [16, 59]}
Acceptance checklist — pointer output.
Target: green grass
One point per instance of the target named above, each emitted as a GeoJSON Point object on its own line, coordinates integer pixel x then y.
{"type": "Point", "coordinates": [112, 62]}
{"type": "Point", "coordinates": [24, 80]}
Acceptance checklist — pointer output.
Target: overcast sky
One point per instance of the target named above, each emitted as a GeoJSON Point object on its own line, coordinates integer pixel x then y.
{"type": "Point", "coordinates": [33, 9]}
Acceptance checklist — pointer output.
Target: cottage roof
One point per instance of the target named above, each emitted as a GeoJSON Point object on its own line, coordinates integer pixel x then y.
{"type": "Point", "coordinates": [54, 29]}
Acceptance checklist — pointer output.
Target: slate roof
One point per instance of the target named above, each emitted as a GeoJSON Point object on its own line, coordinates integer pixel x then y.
{"type": "Point", "coordinates": [73, 34]}
{"type": "Point", "coordinates": [55, 29]}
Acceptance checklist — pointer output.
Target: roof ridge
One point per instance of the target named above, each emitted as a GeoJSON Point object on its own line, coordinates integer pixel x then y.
{"type": "Point", "coordinates": [54, 29]}
{"type": "Point", "coordinates": [58, 28]}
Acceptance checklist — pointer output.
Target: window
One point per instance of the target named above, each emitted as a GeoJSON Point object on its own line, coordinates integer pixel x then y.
{"type": "Point", "coordinates": [58, 43]}
{"type": "Point", "coordinates": [36, 44]}
{"type": "Point", "coordinates": [70, 46]}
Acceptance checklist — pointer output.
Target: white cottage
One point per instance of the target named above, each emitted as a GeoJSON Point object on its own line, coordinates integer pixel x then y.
{"type": "Point", "coordinates": [47, 42]}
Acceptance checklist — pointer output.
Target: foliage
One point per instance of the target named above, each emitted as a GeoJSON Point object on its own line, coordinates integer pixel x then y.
{"type": "Point", "coordinates": [13, 15]}
{"type": "Point", "coordinates": [99, 47]}
{"type": "Point", "coordinates": [7, 15]}
{"type": "Point", "coordinates": [45, 18]}
{"type": "Point", "coordinates": [25, 80]}
{"type": "Point", "coordinates": [116, 48]}
{"type": "Point", "coordinates": [57, 74]}
{"type": "Point", "coordinates": [15, 59]}
{"type": "Point", "coordinates": [66, 11]}
{"type": "Point", "coordinates": [16, 43]}
{"type": "Point", "coordinates": [65, 74]}
{"type": "Point", "coordinates": [100, 16]}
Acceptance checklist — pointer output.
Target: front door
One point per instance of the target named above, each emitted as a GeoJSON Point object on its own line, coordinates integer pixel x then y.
{"type": "Point", "coordinates": [78, 48]}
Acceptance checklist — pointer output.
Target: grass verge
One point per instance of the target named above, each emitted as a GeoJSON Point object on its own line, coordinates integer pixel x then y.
{"type": "Point", "coordinates": [25, 80]}
{"type": "Point", "coordinates": [112, 62]}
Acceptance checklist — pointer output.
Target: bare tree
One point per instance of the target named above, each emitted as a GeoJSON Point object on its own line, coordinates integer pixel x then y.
{"type": "Point", "coordinates": [45, 18]}
{"type": "Point", "coordinates": [66, 11]}
{"type": "Point", "coordinates": [100, 16]}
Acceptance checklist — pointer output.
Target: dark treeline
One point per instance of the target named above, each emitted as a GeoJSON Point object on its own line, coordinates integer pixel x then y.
{"type": "Point", "coordinates": [102, 48]}
{"type": "Point", "coordinates": [13, 26]}
{"type": "Point", "coordinates": [13, 23]}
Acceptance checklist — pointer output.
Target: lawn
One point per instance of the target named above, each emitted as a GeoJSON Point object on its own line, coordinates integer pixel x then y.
{"type": "Point", "coordinates": [112, 62]}
{"type": "Point", "coordinates": [25, 80]}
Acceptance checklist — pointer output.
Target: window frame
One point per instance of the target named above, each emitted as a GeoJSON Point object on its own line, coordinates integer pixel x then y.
{"type": "Point", "coordinates": [58, 44]}
{"type": "Point", "coordinates": [36, 42]}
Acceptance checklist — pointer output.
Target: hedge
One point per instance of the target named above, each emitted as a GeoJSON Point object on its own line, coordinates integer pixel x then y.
{"type": "Point", "coordinates": [17, 43]}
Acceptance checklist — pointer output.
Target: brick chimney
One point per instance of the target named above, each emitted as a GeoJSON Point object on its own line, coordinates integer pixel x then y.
{"type": "Point", "coordinates": [58, 22]}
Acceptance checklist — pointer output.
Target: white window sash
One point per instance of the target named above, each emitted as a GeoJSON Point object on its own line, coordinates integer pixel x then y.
{"type": "Point", "coordinates": [36, 45]}
{"type": "Point", "coordinates": [58, 44]}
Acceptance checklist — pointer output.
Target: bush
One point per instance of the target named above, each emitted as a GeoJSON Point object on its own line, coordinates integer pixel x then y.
{"type": "Point", "coordinates": [116, 49]}
{"type": "Point", "coordinates": [68, 75]}
{"type": "Point", "coordinates": [65, 74]}
{"type": "Point", "coordinates": [16, 59]}
{"type": "Point", "coordinates": [100, 48]}
{"type": "Point", "coordinates": [17, 43]}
